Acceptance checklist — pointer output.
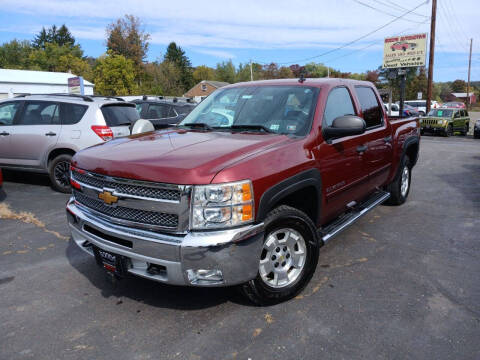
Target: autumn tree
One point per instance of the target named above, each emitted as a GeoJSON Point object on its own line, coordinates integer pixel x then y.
{"type": "Point", "coordinates": [203, 72]}
{"type": "Point", "coordinates": [126, 37]}
{"type": "Point", "coordinates": [114, 75]}
{"type": "Point", "coordinates": [459, 86]}
{"type": "Point", "coordinates": [162, 79]}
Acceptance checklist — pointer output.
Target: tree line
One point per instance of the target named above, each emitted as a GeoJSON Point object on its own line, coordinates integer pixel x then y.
{"type": "Point", "coordinates": [124, 69]}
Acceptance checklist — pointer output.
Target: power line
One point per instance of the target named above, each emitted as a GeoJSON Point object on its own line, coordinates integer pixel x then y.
{"type": "Point", "coordinates": [401, 8]}
{"type": "Point", "coordinates": [382, 11]}
{"type": "Point", "coordinates": [353, 41]}
{"type": "Point", "coordinates": [452, 32]}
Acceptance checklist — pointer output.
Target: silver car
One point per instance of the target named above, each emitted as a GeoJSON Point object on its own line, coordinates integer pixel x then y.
{"type": "Point", "coordinates": [42, 132]}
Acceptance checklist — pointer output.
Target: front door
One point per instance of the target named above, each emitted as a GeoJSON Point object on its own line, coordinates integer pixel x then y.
{"type": "Point", "coordinates": [344, 177]}
{"type": "Point", "coordinates": [8, 112]}
{"type": "Point", "coordinates": [36, 131]}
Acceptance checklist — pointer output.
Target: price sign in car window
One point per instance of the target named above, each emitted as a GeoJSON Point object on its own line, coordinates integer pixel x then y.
{"type": "Point", "coordinates": [440, 112]}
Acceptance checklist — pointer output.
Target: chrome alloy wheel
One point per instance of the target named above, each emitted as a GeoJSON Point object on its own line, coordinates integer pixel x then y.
{"type": "Point", "coordinates": [405, 181]}
{"type": "Point", "coordinates": [283, 258]}
{"type": "Point", "coordinates": [62, 173]}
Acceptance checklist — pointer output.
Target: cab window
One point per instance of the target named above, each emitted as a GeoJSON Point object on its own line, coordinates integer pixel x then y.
{"type": "Point", "coordinates": [339, 103]}
{"type": "Point", "coordinates": [371, 110]}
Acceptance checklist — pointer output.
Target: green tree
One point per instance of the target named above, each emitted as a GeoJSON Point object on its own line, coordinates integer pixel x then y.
{"type": "Point", "coordinates": [225, 71]}
{"type": "Point", "coordinates": [315, 70]}
{"type": "Point", "coordinates": [203, 72]}
{"type": "Point", "coordinates": [459, 86]}
{"type": "Point", "coordinates": [15, 54]}
{"type": "Point", "coordinates": [126, 37]}
{"type": "Point", "coordinates": [48, 59]}
{"type": "Point", "coordinates": [114, 75]}
{"type": "Point", "coordinates": [243, 72]}
{"type": "Point", "coordinates": [176, 55]}
{"type": "Point", "coordinates": [162, 79]}
{"type": "Point", "coordinates": [417, 84]}
{"type": "Point", "coordinates": [61, 37]}
{"type": "Point", "coordinates": [285, 73]}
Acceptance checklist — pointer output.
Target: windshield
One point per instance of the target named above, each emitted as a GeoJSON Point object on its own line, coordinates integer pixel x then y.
{"type": "Point", "coordinates": [440, 113]}
{"type": "Point", "coordinates": [278, 109]}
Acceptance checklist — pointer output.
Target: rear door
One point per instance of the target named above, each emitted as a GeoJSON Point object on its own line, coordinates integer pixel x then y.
{"type": "Point", "coordinates": [8, 112]}
{"type": "Point", "coordinates": [344, 177]}
{"type": "Point", "coordinates": [378, 140]}
{"type": "Point", "coordinates": [120, 117]}
{"type": "Point", "coordinates": [36, 131]}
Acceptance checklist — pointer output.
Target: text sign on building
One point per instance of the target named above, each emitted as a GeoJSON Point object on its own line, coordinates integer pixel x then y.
{"type": "Point", "coordinates": [75, 85]}
{"type": "Point", "coordinates": [405, 51]}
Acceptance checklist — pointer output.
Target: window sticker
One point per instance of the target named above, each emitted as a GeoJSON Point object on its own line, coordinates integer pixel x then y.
{"type": "Point", "coordinates": [275, 127]}
{"type": "Point", "coordinates": [440, 112]}
{"type": "Point", "coordinates": [291, 127]}
{"type": "Point", "coordinates": [247, 96]}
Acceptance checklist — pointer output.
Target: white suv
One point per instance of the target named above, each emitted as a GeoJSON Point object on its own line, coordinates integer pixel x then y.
{"type": "Point", "coordinates": [42, 132]}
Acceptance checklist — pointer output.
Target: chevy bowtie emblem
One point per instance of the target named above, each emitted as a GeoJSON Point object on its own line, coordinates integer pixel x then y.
{"type": "Point", "coordinates": [107, 197]}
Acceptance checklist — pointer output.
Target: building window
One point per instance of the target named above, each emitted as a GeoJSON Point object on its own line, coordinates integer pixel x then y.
{"type": "Point", "coordinates": [204, 87]}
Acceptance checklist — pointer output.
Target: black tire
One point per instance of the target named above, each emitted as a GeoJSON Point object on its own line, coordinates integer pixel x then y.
{"type": "Point", "coordinates": [395, 187]}
{"type": "Point", "coordinates": [59, 173]}
{"type": "Point", "coordinates": [404, 48]}
{"type": "Point", "coordinates": [261, 293]}
{"type": "Point", "coordinates": [465, 130]}
{"type": "Point", "coordinates": [449, 131]}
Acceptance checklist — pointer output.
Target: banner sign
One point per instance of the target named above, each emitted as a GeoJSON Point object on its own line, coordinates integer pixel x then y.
{"type": "Point", "coordinates": [75, 85]}
{"type": "Point", "coordinates": [405, 51]}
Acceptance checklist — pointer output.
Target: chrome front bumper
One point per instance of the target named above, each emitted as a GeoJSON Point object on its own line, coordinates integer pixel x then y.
{"type": "Point", "coordinates": [208, 258]}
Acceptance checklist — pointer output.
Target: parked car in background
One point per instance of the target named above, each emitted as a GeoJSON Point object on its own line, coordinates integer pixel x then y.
{"type": "Point", "coordinates": [454, 105]}
{"type": "Point", "coordinates": [41, 133]}
{"type": "Point", "coordinates": [410, 111]}
{"type": "Point", "coordinates": [2, 192]}
{"type": "Point", "coordinates": [249, 203]}
{"type": "Point", "coordinates": [476, 129]}
{"type": "Point", "coordinates": [421, 105]}
{"type": "Point", "coordinates": [445, 121]}
{"type": "Point", "coordinates": [394, 109]}
{"type": "Point", "coordinates": [161, 112]}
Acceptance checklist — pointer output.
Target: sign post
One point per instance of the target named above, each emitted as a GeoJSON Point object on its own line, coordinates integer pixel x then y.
{"type": "Point", "coordinates": [400, 52]}
{"type": "Point", "coordinates": [75, 85]}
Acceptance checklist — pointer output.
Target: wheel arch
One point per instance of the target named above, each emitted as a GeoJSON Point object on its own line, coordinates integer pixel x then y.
{"type": "Point", "coordinates": [411, 148]}
{"type": "Point", "coordinates": [58, 151]}
{"type": "Point", "coordinates": [302, 191]}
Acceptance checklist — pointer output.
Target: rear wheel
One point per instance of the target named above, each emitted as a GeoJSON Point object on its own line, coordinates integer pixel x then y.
{"type": "Point", "coordinates": [399, 188]}
{"type": "Point", "coordinates": [288, 259]}
{"type": "Point", "coordinates": [59, 173]}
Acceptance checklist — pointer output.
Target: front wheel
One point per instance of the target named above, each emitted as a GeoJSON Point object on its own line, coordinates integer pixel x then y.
{"type": "Point", "coordinates": [465, 129]}
{"type": "Point", "coordinates": [449, 131]}
{"type": "Point", "coordinates": [288, 258]}
{"type": "Point", "coordinates": [59, 173]}
{"type": "Point", "coordinates": [399, 188]}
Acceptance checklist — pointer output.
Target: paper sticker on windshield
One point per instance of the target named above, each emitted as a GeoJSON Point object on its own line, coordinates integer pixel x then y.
{"type": "Point", "coordinates": [247, 96]}
{"type": "Point", "coordinates": [274, 126]}
{"type": "Point", "coordinates": [440, 112]}
{"type": "Point", "coordinates": [291, 127]}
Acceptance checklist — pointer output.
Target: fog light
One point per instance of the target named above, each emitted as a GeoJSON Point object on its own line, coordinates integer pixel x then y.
{"type": "Point", "coordinates": [205, 277]}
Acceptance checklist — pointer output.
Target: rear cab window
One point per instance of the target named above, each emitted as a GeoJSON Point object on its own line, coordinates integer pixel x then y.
{"type": "Point", "coordinates": [119, 114]}
{"type": "Point", "coordinates": [371, 109]}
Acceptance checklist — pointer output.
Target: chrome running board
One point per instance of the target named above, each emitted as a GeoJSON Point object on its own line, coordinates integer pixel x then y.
{"type": "Point", "coordinates": [347, 219]}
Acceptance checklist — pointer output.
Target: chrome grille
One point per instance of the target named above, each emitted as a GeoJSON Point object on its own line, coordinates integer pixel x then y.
{"type": "Point", "coordinates": [101, 182]}
{"type": "Point", "coordinates": [129, 214]}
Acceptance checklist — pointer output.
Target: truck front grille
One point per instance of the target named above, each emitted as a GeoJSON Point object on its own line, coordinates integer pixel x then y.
{"type": "Point", "coordinates": [429, 121]}
{"type": "Point", "coordinates": [124, 213]}
{"type": "Point", "coordinates": [101, 182]}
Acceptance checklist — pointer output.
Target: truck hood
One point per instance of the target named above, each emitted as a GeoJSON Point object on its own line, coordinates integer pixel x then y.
{"type": "Point", "coordinates": [173, 156]}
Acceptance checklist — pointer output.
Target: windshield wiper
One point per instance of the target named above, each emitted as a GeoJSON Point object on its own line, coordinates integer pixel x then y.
{"type": "Point", "coordinates": [197, 125]}
{"type": "Point", "coordinates": [251, 127]}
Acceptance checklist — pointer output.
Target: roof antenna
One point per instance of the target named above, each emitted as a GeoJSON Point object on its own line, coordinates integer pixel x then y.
{"type": "Point", "coordinates": [302, 78]}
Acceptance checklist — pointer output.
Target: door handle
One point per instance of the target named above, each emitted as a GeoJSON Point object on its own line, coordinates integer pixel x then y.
{"type": "Point", "coordinates": [50, 134]}
{"type": "Point", "coordinates": [362, 148]}
{"type": "Point", "coordinates": [388, 139]}
{"type": "Point", "coordinates": [4, 133]}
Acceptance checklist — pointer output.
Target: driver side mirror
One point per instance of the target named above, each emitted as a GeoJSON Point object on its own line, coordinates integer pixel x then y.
{"type": "Point", "coordinates": [344, 126]}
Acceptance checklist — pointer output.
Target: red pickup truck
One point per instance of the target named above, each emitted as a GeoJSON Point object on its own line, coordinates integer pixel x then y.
{"type": "Point", "coordinates": [246, 189]}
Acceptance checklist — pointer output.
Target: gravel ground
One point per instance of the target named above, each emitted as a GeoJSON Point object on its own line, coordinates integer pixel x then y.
{"type": "Point", "coordinates": [402, 283]}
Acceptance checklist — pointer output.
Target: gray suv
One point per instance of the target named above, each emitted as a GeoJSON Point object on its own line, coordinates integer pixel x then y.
{"type": "Point", "coordinates": [41, 133]}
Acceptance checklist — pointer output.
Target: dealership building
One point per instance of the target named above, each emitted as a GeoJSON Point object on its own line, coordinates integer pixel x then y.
{"type": "Point", "coordinates": [17, 82]}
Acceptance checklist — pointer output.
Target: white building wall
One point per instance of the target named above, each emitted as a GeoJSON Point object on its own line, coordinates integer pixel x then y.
{"type": "Point", "coordinates": [12, 89]}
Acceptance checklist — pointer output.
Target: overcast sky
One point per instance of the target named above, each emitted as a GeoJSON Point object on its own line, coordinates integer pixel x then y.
{"type": "Point", "coordinates": [264, 31]}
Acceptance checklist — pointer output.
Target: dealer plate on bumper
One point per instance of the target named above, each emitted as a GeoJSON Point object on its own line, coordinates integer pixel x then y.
{"type": "Point", "coordinates": [114, 263]}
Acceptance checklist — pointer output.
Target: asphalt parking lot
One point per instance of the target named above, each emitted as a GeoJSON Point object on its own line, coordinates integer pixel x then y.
{"type": "Point", "coordinates": [402, 283]}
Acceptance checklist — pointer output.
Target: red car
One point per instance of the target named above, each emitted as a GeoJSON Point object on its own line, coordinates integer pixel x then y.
{"type": "Point", "coordinates": [401, 45]}
{"type": "Point", "coordinates": [246, 189]}
{"type": "Point", "coordinates": [454, 104]}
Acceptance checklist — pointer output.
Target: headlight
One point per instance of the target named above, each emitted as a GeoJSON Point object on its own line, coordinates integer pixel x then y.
{"type": "Point", "coordinates": [222, 205]}
{"type": "Point", "coordinates": [440, 122]}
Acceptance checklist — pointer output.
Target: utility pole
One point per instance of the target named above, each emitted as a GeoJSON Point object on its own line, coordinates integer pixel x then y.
{"type": "Point", "coordinates": [468, 82]}
{"type": "Point", "coordinates": [328, 71]}
{"type": "Point", "coordinates": [251, 71]}
{"type": "Point", "coordinates": [432, 53]}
